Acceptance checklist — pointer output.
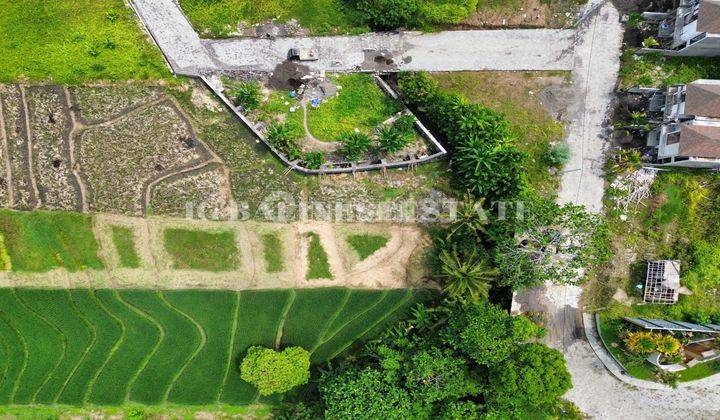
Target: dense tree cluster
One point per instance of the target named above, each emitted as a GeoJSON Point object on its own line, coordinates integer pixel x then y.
{"type": "Point", "coordinates": [275, 372]}
{"type": "Point", "coordinates": [451, 361]}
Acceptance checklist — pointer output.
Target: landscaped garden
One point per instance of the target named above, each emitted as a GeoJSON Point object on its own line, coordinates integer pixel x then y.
{"type": "Point", "coordinates": [75, 41]}
{"type": "Point", "coordinates": [674, 222]}
{"type": "Point", "coordinates": [107, 347]}
{"type": "Point", "coordinates": [331, 120]}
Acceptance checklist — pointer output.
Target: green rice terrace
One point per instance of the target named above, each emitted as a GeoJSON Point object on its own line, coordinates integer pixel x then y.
{"type": "Point", "coordinates": [108, 348]}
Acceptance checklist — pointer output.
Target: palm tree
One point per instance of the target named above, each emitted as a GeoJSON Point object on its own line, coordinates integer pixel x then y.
{"type": "Point", "coordinates": [467, 276]}
{"type": "Point", "coordinates": [470, 217]}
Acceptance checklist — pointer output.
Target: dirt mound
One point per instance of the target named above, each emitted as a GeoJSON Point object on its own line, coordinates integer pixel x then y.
{"type": "Point", "coordinates": [288, 75]}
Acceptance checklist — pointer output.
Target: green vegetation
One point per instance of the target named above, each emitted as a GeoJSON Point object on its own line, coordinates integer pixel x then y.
{"type": "Point", "coordinates": [354, 145]}
{"type": "Point", "coordinates": [125, 246]}
{"type": "Point", "coordinates": [321, 17]}
{"type": "Point", "coordinates": [675, 222]}
{"type": "Point", "coordinates": [515, 96]}
{"type": "Point", "coordinates": [275, 372]}
{"type": "Point", "coordinates": [75, 41]}
{"type": "Point", "coordinates": [199, 250]}
{"type": "Point", "coordinates": [360, 104]}
{"type": "Point", "coordinates": [246, 95]}
{"type": "Point", "coordinates": [41, 241]}
{"type": "Point", "coordinates": [654, 70]}
{"type": "Point", "coordinates": [365, 245]}
{"type": "Point", "coordinates": [391, 14]}
{"type": "Point", "coordinates": [426, 367]}
{"type": "Point", "coordinates": [273, 253]}
{"type": "Point", "coordinates": [318, 266]}
{"type": "Point", "coordinates": [108, 348]}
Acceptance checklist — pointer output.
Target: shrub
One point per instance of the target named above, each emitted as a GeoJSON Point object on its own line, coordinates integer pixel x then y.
{"type": "Point", "coordinates": [640, 342]}
{"type": "Point", "coordinates": [313, 160]}
{"type": "Point", "coordinates": [388, 14]}
{"type": "Point", "coordinates": [667, 344]}
{"type": "Point", "coordinates": [558, 155]}
{"type": "Point", "coordinates": [354, 145]}
{"type": "Point", "coordinates": [246, 95]}
{"type": "Point", "coordinates": [280, 136]}
{"type": "Point", "coordinates": [276, 372]}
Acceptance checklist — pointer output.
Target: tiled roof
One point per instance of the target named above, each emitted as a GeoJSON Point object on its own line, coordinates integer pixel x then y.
{"type": "Point", "coordinates": [703, 99]}
{"type": "Point", "coordinates": [700, 141]}
{"type": "Point", "coordinates": [709, 16]}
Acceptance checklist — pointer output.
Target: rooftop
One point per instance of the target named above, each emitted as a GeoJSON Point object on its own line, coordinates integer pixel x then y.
{"type": "Point", "coordinates": [709, 16]}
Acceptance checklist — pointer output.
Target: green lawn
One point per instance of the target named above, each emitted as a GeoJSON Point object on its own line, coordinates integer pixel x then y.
{"type": "Point", "coordinates": [125, 246]}
{"type": "Point", "coordinates": [654, 70]}
{"type": "Point", "coordinates": [75, 41]}
{"type": "Point", "coordinates": [173, 347]}
{"type": "Point", "coordinates": [200, 250]}
{"type": "Point", "coordinates": [366, 245]}
{"type": "Point", "coordinates": [273, 253]}
{"type": "Point", "coordinates": [361, 104]}
{"type": "Point", "coordinates": [318, 267]}
{"type": "Point", "coordinates": [219, 18]}
{"type": "Point", "coordinates": [41, 241]}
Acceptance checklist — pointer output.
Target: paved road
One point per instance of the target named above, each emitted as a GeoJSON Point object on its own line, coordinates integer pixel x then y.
{"type": "Point", "coordinates": [541, 49]}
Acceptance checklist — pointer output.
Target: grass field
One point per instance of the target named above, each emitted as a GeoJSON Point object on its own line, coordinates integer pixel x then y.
{"type": "Point", "coordinates": [125, 246]}
{"type": "Point", "coordinates": [200, 250]}
{"type": "Point", "coordinates": [318, 267]}
{"type": "Point", "coordinates": [40, 241]}
{"type": "Point", "coordinates": [366, 245]}
{"type": "Point", "coordinates": [361, 105]}
{"type": "Point", "coordinates": [273, 253]}
{"type": "Point", "coordinates": [219, 18]}
{"type": "Point", "coordinates": [111, 348]}
{"type": "Point", "coordinates": [516, 95]}
{"type": "Point", "coordinates": [75, 41]}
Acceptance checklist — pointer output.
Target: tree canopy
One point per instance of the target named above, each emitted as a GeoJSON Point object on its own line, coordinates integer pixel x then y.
{"type": "Point", "coordinates": [275, 372]}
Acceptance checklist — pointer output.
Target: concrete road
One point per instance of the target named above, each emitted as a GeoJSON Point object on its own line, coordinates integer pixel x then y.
{"type": "Point", "coordinates": [543, 49]}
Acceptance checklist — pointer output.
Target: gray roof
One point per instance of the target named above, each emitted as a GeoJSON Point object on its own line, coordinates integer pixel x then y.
{"type": "Point", "coordinates": [666, 325]}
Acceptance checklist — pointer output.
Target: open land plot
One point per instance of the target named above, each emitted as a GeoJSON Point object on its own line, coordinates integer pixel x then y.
{"type": "Point", "coordinates": [142, 150]}
{"type": "Point", "coordinates": [675, 222]}
{"type": "Point", "coordinates": [532, 102]}
{"type": "Point", "coordinates": [75, 41]}
{"type": "Point", "coordinates": [523, 14]}
{"type": "Point", "coordinates": [54, 249]}
{"type": "Point", "coordinates": [110, 348]}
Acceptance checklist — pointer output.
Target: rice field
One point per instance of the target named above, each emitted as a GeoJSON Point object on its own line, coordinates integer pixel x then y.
{"type": "Point", "coordinates": [111, 348]}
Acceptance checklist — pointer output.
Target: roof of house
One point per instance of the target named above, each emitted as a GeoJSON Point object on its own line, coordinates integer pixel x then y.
{"type": "Point", "coordinates": [709, 16]}
{"type": "Point", "coordinates": [701, 141]}
{"type": "Point", "coordinates": [702, 98]}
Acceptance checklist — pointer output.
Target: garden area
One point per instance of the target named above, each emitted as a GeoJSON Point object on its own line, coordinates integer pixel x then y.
{"type": "Point", "coordinates": [75, 41]}
{"type": "Point", "coordinates": [672, 220]}
{"type": "Point", "coordinates": [332, 120]}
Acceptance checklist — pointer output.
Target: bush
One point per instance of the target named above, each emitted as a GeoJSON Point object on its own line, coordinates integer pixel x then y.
{"type": "Point", "coordinates": [246, 95]}
{"type": "Point", "coordinates": [354, 145]}
{"type": "Point", "coordinates": [313, 160]}
{"type": "Point", "coordinates": [558, 155]}
{"type": "Point", "coordinates": [280, 136]}
{"type": "Point", "coordinates": [276, 372]}
{"type": "Point", "coordinates": [640, 342]}
{"type": "Point", "coordinates": [388, 14]}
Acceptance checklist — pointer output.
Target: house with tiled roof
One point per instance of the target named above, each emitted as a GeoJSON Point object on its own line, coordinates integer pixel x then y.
{"type": "Point", "coordinates": [693, 29]}
{"type": "Point", "coordinates": [689, 134]}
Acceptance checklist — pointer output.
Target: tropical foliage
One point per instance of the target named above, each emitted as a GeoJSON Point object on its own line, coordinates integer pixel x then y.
{"type": "Point", "coordinates": [275, 372]}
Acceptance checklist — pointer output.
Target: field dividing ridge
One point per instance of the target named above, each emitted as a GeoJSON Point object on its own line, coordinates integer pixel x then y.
{"type": "Point", "coordinates": [108, 335]}
{"type": "Point", "coordinates": [16, 357]}
{"type": "Point", "coordinates": [172, 352]}
{"type": "Point", "coordinates": [75, 334]}
{"type": "Point", "coordinates": [306, 320]}
{"type": "Point", "coordinates": [216, 312]}
{"type": "Point", "coordinates": [47, 349]}
{"type": "Point", "coordinates": [140, 338]}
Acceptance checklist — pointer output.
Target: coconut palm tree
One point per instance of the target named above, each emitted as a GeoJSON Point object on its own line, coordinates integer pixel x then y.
{"type": "Point", "coordinates": [466, 277]}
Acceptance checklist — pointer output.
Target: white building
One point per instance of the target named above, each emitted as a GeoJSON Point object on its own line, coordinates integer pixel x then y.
{"type": "Point", "coordinates": [693, 29]}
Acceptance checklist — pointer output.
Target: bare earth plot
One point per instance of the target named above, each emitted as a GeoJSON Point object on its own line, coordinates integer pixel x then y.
{"type": "Point", "coordinates": [396, 265]}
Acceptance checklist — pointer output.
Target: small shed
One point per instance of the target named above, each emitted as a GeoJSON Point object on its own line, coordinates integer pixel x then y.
{"type": "Point", "coordinates": [662, 282]}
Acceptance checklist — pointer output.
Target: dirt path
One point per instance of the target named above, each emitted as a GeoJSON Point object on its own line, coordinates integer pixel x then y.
{"type": "Point", "coordinates": [76, 126]}
{"type": "Point", "coordinates": [312, 143]}
{"type": "Point", "coordinates": [30, 165]}
{"type": "Point", "coordinates": [6, 159]}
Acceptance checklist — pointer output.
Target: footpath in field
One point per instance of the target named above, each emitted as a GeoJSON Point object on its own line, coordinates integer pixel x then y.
{"type": "Point", "coordinates": [73, 250]}
{"type": "Point", "coordinates": [110, 347]}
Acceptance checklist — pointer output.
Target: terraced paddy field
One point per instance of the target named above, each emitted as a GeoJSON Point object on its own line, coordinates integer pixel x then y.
{"type": "Point", "coordinates": [110, 348]}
